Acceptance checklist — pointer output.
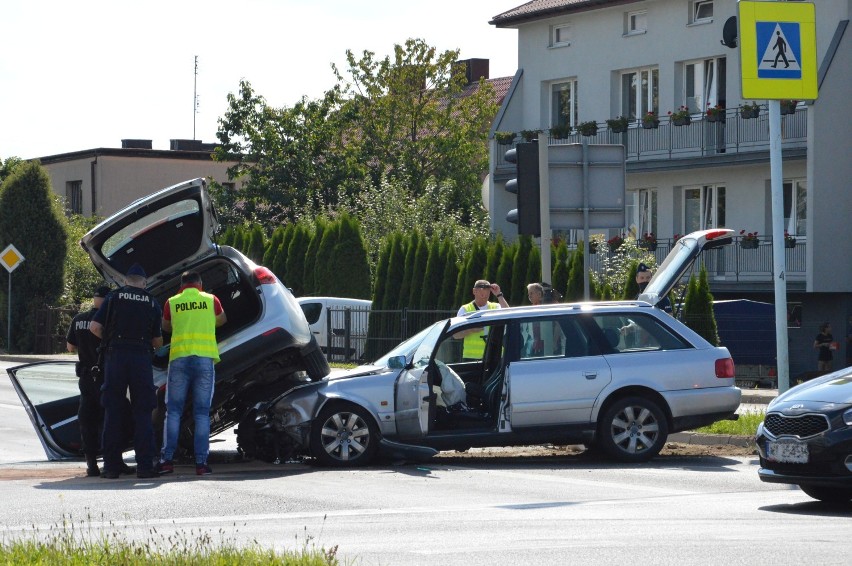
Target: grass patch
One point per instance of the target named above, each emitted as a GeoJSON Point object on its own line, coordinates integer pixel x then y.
{"type": "Point", "coordinates": [746, 425]}
{"type": "Point", "coordinates": [81, 545]}
{"type": "Point", "coordinates": [342, 365]}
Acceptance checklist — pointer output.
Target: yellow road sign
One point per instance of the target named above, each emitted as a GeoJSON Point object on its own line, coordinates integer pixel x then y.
{"type": "Point", "coordinates": [778, 50]}
{"type": "Point", "coordinates": [11, 258]}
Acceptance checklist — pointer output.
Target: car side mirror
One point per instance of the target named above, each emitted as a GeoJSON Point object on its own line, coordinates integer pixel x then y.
{"type": "Point", "coordinates": [396, 362]}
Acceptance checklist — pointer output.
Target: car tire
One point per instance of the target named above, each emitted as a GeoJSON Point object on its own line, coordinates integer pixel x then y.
{"type": "Point", "coordinates": [828, 494]}
{"type": "Point", "coordinates": [344, 435]}
{"type": "Point", "coordinates": [632, 429]}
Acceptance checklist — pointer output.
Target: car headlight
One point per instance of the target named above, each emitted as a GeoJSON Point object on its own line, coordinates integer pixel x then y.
{"type": "Point", "coordinates": [847, 417]}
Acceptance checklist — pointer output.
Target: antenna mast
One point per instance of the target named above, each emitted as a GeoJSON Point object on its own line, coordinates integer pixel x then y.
{"type": "Point", "coordinates": [194, 96]}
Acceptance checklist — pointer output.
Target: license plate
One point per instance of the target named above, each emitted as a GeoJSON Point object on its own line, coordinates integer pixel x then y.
{"type": "Point", "coordinates": [787, 452]}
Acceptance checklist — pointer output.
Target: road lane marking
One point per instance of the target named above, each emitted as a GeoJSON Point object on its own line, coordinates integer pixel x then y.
{"type": "Point", "coordinates": [7, 406]}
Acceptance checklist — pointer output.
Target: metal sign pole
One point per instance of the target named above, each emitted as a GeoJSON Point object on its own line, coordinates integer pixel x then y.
{"type": "Point", "coordinates": [9, 318]}
{"type": "Point", "coordinates": [778, 262]}
{"type": "Point", "coordinates": [544, 208]}
{"type": "Point", "coordinates": [586, 218]}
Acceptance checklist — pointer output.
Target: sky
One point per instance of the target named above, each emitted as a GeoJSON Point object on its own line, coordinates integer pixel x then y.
{"type": "Point", "coordinates": [84, 75]}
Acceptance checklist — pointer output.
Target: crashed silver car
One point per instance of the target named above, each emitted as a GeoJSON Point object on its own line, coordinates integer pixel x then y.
{"type": "Point", "coordinates": [266, 347]}
{"type": "Point", "coordinates": [619, 376]}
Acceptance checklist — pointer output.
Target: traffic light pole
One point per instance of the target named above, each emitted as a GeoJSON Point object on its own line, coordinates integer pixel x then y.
{"type": "Point", "coordinates": [544, 209]}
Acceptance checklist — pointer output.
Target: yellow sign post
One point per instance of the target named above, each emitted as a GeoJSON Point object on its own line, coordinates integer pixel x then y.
{"type": "Point", "coordinates": [778, 61]}
{"type": "Point", "coordinates": [11, 258]}
{"type": "Point", "coordinates": [778, 57]}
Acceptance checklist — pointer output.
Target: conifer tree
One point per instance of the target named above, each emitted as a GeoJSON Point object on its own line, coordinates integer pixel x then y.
{"type": "Point", "coordinates": [631, 288]}
{"type": "Point", "coordinates": [32, 219]}
{"type": "Point", "coordinates": [320, 225]}
{"type": "Point", "coordinates": [412, 240]}
{"type": "Point", "coordinates": [519, 273]}
{"type": "Point", "coordinates": [533, 272]}
{"type": "Point", "coordinates": [560, 269]}
{"type": "Point", "coordinates": [418, 272]}
{"type": "Point", "coordinates": [257, 244]}
{"type": "Point", "coordinates": [495, 254]}
{"type": "Point", "coordinates": [698, 308]}
{"type": "Point", "coordinates": [349, 267]}
{"type": "Point", "coordinates": [377, 321]}
{"type": "Point", "coordinates": [575, 289]}
{"type": "Point", "coordinates": [450, 276]}
{"type": "Point", "coordinates": [504, 270]}
{"type": "Point", "coordinates": [272, 246]}
{"type": "Point", "coordinates": [430, 290]}
{"type": "Point", "coordinates": [295, 266]}
{"type": "Point", "coordinates": [323, 271]}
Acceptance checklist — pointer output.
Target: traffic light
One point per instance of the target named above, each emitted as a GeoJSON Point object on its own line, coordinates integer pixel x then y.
{"type": "Point", "coordinates": [526, 186]}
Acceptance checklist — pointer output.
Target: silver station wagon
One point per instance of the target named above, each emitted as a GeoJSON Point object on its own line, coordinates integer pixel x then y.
{"type": "Point", "coordinates": [619, 376]}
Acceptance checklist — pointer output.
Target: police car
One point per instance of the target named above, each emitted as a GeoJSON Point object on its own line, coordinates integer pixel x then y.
{"type": "Point", "coordinates": [266, 347]}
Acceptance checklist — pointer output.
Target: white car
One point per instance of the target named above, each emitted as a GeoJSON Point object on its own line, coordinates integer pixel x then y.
{"type": "Point", "coordinates": [266, 347]}
{"type": "Point", "coordinates": [619, 375]}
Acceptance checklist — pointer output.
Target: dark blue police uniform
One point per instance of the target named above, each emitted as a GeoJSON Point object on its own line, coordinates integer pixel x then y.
{"type": "Point", "coordinates": [90, 413]}
{"type": "Point", "coordinates": [133, 321]}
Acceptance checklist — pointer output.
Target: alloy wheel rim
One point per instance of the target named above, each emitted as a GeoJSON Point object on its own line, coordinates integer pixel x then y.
{"type": "Point", "coordinates": [634, 429]}
{"type": "Point", "coordinates": [345, 436]}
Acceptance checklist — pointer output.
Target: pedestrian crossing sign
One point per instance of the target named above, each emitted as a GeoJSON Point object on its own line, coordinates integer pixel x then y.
{"type": "Point", "coordinates": [778, 50]}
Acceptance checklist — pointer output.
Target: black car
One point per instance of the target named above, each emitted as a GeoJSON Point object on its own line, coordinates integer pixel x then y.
{"type": "Point", "coordinates": [806, 438]}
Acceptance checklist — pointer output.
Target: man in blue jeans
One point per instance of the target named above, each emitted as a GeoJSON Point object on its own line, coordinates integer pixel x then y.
{"type": "Point", "coordinates": [192, 317]}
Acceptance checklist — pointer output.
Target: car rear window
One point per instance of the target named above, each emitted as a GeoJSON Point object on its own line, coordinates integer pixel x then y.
{"type": "Point", "coordinates": [312, 311]}
{"type": "Point", "coordinates": [636, 332]}
{"type": "Point", "coordinates": [173, 216]}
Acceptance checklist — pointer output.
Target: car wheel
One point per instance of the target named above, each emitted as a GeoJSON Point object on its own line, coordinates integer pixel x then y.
{"type": "Point", "coordinates": [633, 429]}
{"type": "Point", "coordinates": [828, 494]}
{"type": "Point", "coordinates": [344, 435]}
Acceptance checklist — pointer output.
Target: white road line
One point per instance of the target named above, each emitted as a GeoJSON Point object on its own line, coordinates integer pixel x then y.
{"type": "Point", "coordinates": [16, 407]}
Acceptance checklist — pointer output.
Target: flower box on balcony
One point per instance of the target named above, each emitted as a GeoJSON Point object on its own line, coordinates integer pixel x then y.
{"type": "Point", "coordinates": [789, 241]}
{"type": "Point", "coordinates": [615, 242]}
{"type": "Point", "coordinates": [749, 111]}
{"type": "Point", "coordinates": [504, 138]}
{"type": "Point", "coordinates": [788, 106]}
{"type": "Point", "coordinates": [715, 114]}
{"type": "Point", "coordinates": [681, 116]}
{"type": "Point", "coordinates": [588, 128]}
{"type": "Point", "coordinates": [650, 121]}
{"type": "Point", "coordinates": [617, 125]}
{"type": "Point", "coordinates": [749, 240]}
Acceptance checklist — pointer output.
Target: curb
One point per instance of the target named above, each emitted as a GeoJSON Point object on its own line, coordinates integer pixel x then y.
{"type": "Point", "coordinates": [711, 439]}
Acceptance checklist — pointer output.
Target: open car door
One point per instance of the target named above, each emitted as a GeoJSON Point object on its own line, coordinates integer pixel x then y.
{"type": "Point", "coordinates": [51, 397]}
{"type": "Point", "coordinates": [414, 397]}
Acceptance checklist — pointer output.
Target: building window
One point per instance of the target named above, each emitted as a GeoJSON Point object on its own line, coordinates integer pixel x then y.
{"type": "Point", "coordinates": [704, 84]}
{"type": "Point", "coordinates": [636, 22]}
{"type": "Point", "coordinates": [564, 103]}
{"type": "Point", "coordinates": [702, 11]}
{"type": "Point", "coordinates": [74, 197]}
{"type": "Point", "coordinates": [639, 92]}
{"type": "Point", "coordinates": [795, 207]}
{"type": "Point", "coordinates": [561, 35]}
{"type": "Point", "coordinates": [642, 213]}
{"type": "Point", "coordinates": [703, 207]}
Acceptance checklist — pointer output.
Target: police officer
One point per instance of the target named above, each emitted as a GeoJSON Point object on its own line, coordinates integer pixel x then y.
{"type": "Point", "coordinates": [128, 322]}
{"type": "Point", "coordinates": [90, 414]}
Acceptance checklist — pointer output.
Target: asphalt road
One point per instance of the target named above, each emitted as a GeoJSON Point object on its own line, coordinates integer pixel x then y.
{"type": "Point", "coordinates": [486, 507]}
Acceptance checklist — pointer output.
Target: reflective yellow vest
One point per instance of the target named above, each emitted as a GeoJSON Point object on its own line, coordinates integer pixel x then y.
{"type": "Point", "coordinates": [474, 344]}
{"type": "Point", "coordinates": [193, 325]}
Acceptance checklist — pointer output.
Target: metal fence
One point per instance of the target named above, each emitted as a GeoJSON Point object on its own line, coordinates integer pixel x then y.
{"type": "Point", "coordinates": [730, 134]}
{"type": "Point", "coordinates": [50, 329]}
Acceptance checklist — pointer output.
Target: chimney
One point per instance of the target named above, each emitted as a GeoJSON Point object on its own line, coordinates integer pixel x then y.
{"type": "Point", "coordinates": [136, 144]}
{"type": "Point", "coordinates": [475, 69]}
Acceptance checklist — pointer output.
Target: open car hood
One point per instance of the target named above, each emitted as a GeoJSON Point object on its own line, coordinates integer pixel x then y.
{"type": "Point", "coordinates": [684, 252]}
{"type": "Point", "coordinates": [163, 232]}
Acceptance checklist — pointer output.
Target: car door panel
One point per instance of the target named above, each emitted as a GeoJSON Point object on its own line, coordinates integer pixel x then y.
{"type": "Point", "coordinates": [556, 391]}
{"type": "Point", "coordinates": [50, 394]}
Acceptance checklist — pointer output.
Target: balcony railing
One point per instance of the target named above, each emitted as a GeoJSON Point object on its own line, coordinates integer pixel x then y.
{"type": "Point", "coordinates": [734, 262]}
{"type": "Point", "coordinates": [701, 138]}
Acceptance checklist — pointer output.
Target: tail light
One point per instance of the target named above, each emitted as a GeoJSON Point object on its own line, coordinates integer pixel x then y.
{"type": "Point", "coordinates": [725, 368]}
{"type": "Point", "coordinates": [264, 276]}
{"type": "Point", "coordinates": [716, 234]}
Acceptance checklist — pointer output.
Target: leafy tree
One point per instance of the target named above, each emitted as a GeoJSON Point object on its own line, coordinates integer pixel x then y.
{"type": "Point", "coordinates": [7, 166]}
{"type": "Point", "coordinates": [81, 277]}
{"type": "Point", "coordinates": [414, 119]}
{"type": "Point", "coordinates": [31, 218]}
{"type": "Point", "coordinates": [615, 267]}
{"type": "Point", "coordinates": [292, 160]}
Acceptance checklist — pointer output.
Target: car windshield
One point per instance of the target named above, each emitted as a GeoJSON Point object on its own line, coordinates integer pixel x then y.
{"type": "Point", "coordinates": [408, 347]}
